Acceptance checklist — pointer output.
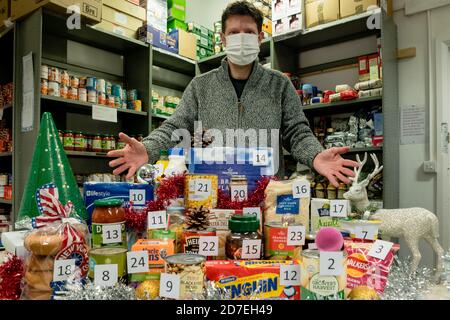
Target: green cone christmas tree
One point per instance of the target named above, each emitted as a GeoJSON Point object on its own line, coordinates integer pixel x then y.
{"type": "Point", "coordinates": [50, 164]}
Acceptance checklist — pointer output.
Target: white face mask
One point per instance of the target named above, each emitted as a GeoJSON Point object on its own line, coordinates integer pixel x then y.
{"type": "Point", "coordinates": [242, 48]}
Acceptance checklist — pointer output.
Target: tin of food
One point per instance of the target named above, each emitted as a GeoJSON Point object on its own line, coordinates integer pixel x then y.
{"type": "Point", "coordinates": [53, 89]}
{"type": "Point", "coordinates": [44, 72]}
{"type": "Point", "coordinates": [101, 256]}
{"type": "Point", "coordinates": [91, 83]}
{"type": "Point", "coordinates": [276, 242]}
{"type": "Point", "coordinates": [82, 94]}
{"type": "Point", "coordinates": [44, 87]}
{"type": "Point", "coordinates": [191, 269]}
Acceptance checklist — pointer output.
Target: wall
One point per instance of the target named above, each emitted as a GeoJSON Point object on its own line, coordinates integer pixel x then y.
{"type": "Point", "coordinates": [416, 187]}
{"type": "Point", "coordinates": [205, 12]}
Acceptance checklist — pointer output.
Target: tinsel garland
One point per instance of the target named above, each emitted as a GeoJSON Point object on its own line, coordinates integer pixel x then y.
{"type": "Point", "coordinates": [11, 274]}
{"type": "Point", "coordinates": [173, 188]}
{"type": "Point", "coordinates": [406, 285]}
{"type": "Point", "coordinates": [89, 291]}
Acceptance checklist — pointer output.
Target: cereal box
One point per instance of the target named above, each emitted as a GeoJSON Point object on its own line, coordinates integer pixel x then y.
{"type": "Point", "coordinates": [157, 250]}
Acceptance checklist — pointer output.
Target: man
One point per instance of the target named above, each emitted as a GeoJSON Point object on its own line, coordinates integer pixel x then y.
{"type": "Point", "coordinates": [241, 94]}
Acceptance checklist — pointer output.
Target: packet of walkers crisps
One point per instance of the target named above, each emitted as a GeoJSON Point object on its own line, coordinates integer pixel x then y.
{"type": "Point", "coordinates": [251, 279]}
{"type": "Point", "coordinates": [364, 270]}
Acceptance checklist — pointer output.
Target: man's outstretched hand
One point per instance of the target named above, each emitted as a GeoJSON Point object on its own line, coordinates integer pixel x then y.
{"type": "Point", "coordinates": [332, 166]}
{"type": "Point", "coordinates": [130, 158]}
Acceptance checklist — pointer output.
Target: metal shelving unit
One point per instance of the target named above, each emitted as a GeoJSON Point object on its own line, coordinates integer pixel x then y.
{"type": "Point", "coordinates": [86, 154]}
{"type": "Point", "coordinates": [341, 104]}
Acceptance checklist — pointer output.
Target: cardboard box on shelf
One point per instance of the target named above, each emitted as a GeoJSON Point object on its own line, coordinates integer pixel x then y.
{"type": "Point", "coordinates": [126, 7]}
{"type": "Point", "coordinates": [374, 67]}
{"type": "Point", "coordinates": [158, 38]}
{"type": "Point", "coordinates": [177, 9]}
{"type": "Point", "coordinates": [267, 26]}
{"type": "Point", "coordinates": [157, 13]}
{"type": "Point", "coordinates": [91, 10]}
{"type": "Point", "coordinates": [176, 24]}
{"type": "Point", "coordinates": [117, 29]}
{"type": "Point", "coordinates": [187, 44]}
{"type": "Point", "coordinates": [363, 63]}
{"type": "Point", "coordinates": [207, 43]}
{"type": "Point", "coordinates": [121, 18]}
{"type": "Point", "coordinates": [288, 24]}
{"type": "Point", "coordinates": [351, 7]}
{"type": "Point", "coordinates": [279, 9]}
{"type": "Point", "coordinates": [136, 2]}
{"type": "Point", "coordinates": [321, 11]}
{"type": "Point", "coordinates": [203, 53]}
{"type": "Point", "coordinates": [200, 30]}
{"type": "Point", "coordinates": [4, 10]}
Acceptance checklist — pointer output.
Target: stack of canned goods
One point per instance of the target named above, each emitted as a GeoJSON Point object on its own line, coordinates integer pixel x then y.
{"type": "Point", "coordinates": [59, 83]}
{"type": "Point", "coordinates": [88, 142]}
{"type": "Point", "coordinates": [165, 105]}
{"type": "Point", "coordinates": [6, 186]}
{"type": "Point", "coordinates": [218, 45]}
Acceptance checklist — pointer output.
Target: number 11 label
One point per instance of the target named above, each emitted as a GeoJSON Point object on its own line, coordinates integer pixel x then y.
{"type": "Point", "coordinates": [137, 261]}
{"type": "Point", "coordinates": [157, 220]}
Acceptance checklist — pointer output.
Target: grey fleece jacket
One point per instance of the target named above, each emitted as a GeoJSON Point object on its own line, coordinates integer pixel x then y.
{"type": "Point", "coordinates": [269, 101]}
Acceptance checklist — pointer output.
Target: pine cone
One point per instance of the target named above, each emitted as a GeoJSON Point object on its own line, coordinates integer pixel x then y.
{"type": "Point", "coordinates": [197, 218]}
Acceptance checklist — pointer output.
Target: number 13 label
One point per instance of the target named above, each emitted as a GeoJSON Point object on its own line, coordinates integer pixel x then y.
{"type": "Point", "coordinates": [112, 233]}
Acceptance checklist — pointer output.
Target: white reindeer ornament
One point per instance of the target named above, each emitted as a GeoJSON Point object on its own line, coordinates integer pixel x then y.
{"type": "Point", "coordinates": [413, 224]}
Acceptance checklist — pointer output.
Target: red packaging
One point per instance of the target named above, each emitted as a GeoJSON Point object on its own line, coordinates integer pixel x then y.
{"type": "Point", "coordinates": [363, 63]}
{"type": "Point", "coordinates": [8, 192]}
{"type": "Point", "coordinates": [349, 95]}
{"type": "Point", "coordinates": [363, 270]}
{"type": "Point", "coordinates": [251, 279]}
{"type": "Point", "coordinates": [326, 95]}
{"type": "Point", "coordinates": [190, 240]}
{"type": "Point", "coordinates": [377, 141]}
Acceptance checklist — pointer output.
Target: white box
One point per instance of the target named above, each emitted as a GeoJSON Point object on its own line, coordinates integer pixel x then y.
{"type": "Point", "coordinates": [288, 24]}
{"type": "Point", "coordinates": [294, 7]}
{"type": "Point", "coordinates": [14, 243]}
{"type": "Point", "coordinates": [279, 9]}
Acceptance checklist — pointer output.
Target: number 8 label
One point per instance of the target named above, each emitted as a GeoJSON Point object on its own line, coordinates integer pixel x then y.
{"type": "Point", "coordinates": [105, 275]}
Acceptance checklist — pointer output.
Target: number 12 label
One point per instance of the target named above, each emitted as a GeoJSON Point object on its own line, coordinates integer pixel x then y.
{"type": "Point", "coordinates": [331, 263]}
{"type": "Point", "coordinates": [290, 275]}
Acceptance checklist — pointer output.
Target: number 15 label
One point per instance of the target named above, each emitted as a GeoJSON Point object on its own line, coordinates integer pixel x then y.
{"type": "Point", "coordinates": [251, 249]}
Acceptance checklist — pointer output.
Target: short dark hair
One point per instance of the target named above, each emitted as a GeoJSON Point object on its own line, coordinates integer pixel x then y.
{"type": "Point", "coordinates": [242, 8]}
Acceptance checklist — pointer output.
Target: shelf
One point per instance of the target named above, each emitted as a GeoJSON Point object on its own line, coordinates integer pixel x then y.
{"type": "Point", "coordinates": [5, 154]}
{"type": "Point", "coordinates": [214, 61]}
{"type": "Point", "coordinates": [4, 32]}
{"type": "Point", "coordinates": [172, 61]}
{"type": "Point", "coordinates": [160, 116]}
{"type": "Point", "coordinates": [75, 105]}
{"type": "Point", "coordinates": [3, 201]}
{"type": "Point", "coordinates": [86, 154]}
{"type": "Point", "coordinates": [341, 104]}
{"type": "Point", "coordinates": [349, 28]}
{"type": "Point", "coordinates": [56, 24]}
{"type": "Point", "coordinates": [368, 149]}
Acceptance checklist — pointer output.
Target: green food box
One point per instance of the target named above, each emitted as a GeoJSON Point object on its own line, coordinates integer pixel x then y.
{"type": "Point", "coordinates": [200, 30]}
{"type": "Point", "coordinates": [176, 24]}
{"type": "Point", "coordinates": [207, 43]}
{"type": "Point", "coordinates": [203, 53]}
{"type": "Point", "coordinates": [177, 9]}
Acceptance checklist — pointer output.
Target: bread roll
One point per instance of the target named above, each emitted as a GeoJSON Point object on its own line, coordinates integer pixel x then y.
{"type": "Point", "coordinates": [40, 263]}
{"type": "Point", "coordinates": [43, 243]}
{"type": "Point", "coordinates": [39, 280]}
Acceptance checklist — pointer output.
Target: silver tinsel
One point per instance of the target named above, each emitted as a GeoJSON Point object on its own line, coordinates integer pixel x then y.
{"type": "Point", "coordinates": [89, 291]}
{"type": "Point", "coordinates": [406, 285]}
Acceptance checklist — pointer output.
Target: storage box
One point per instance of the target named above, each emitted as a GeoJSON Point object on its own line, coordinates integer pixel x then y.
{"type": "Point", "coordinates": [351, 7]}
{"type": "Point", "coordinates": [114, 28]}
{"type": "Point", "coordinates": [363, 66]}
{"type": "Point", "coordinates": [157, 13]}
{"type": "Point", "coordinates": [158, 38]}
{"type": "Point", "coordinates": [321, 11]}
{"type": "Point", "coordinates": [126, 7]}
{"type": "Point", "coordinates": [205, 42]}
{"type": "Point", "coordinates": [4, 10]}
{"type": "Point", "coordinates": [173, 24]}
{"type": "Point", "coordinates": [374, 67]}
{"type": "Point", "coordinates": [203, 53]}
{"type": "Point", "coordinates": [187, 44]}
{"type": "Point", "coordinates": [177, 9]}
{"type": "Point", "coordinates": [200, 30]}
{"type": "Point", "coordinates": [157, 250]}
{"type": "Point", "coordinates": [91, 10]}
{"type": "Point", "coordinates": [121, 18]}
{"type": "Point", "coordinates": [288, 24]}
{"type": "Point", "coordinates": [279, 9]}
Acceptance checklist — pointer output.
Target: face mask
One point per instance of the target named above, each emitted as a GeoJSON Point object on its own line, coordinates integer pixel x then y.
{"type": "Point", "coordinates": [242, 48]}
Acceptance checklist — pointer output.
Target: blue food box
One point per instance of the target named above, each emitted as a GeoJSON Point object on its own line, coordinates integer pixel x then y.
{"type": "Point", "coordinates": [140, 194]}
{"type": "Point", "coordinates": [227, 162]}
{"type": "Point", "coordinates": [159, 39]}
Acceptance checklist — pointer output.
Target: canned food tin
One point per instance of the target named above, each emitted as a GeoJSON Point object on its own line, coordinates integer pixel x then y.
{"type": "Point", "coordinates": [191, 269]}
{"type": "Point", "coordinates": [201, 190]}
{"type": "Point", "coordinates": [108, 88]}
{"type": "Point", "coordinates": [3, 179]}
{"type": "Point", "coordinates": [276, 242]}
{"type": "Point", "coordinates": [110, 101]}
{"type": "Point", "coordinates": [92, 96]}
{"type": "Point", "coordinates": [54, 75]}
{"type": "Point", "coordinates": [97, 235]}
{"type": "Point", "coordinates": [317, 287]}
{"type": "Point", "coordinates": [64, 91]}
{"type": "Point", "coordinates": [82, 94]}
{"type": "Point", "coordinates": [53, 89]}
{"type": "Point", "coordinates": [190, 240]}
{"type": "Point", "coordinates": [82, 82]}
{"type": "Point", "coordinates": [132, 95]}
{"type": "Point", "coordinates": [117, 102]}
{"type": "Point", "coordinates": [101, 256]}
{"type": "Point", "coordinates": [73, 93]}
{"type": "Point", "coordinates": [101, 98]}
{"type": "Point", "coordinates": [44, 72]}
{"type": "Point", "coordinates": [65, 79]}
{"type": "Point", "coordinates": [74, 82]}
{"type": "Point", "coordinates": [116, 90]}
{"type": "Point", "coordinates": [91, 83]}
{"type": "Point", "coordinates": [101, 86]}
{"type": "Point", "coordinates": [44, 87]}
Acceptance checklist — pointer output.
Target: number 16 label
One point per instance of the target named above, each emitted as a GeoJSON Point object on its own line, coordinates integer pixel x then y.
{"type": "Point", "coordinates": [331, 263]}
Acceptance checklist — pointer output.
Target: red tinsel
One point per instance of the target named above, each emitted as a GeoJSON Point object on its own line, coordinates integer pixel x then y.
{"type": "Point", "coordinates": [173, 188]}
{"type": "Point", "coordinates": [11, 274]}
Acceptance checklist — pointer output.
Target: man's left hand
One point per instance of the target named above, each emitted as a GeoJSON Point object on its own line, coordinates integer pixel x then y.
{"type": "Point", "coordinates": [332, 166]}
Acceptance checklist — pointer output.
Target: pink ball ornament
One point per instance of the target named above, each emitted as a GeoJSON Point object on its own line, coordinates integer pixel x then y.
{"type": "Point", "coordinates": [329, 240]}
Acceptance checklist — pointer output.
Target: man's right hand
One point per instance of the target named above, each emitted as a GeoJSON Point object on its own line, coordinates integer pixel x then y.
{"type": "Point", "coordinates": [130, 158]}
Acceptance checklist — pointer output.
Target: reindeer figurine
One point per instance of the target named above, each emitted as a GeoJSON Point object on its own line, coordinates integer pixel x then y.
{"type": "Point", "coordinates": [413, 224]}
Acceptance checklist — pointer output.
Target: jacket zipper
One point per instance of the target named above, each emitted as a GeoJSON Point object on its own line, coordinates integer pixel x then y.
{"type": "Point", "coordinates": [240, 112]}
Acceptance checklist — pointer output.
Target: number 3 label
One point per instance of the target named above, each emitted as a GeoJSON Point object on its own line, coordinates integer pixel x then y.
{"type": "Point", "coordinates": [331, 263]}
{"type": "Point", "coordinates": [380, 249]}
{"type": "Point", "coordinates": [169, 286]}
{"type": "Point", "coordinates": [105, 275]}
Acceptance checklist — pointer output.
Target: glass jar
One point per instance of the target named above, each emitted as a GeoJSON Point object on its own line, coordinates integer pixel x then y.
{"type": "Point", "coordinates": [320, 190]}
{"type": "Point", "coordinates": [120, 144]}
{"type": "Point", "coordinates": [89, 142]}
{"type": "Point", "coordinates": [108, 211]}
{"type": "Point", "coordinates": [80, 142]}
{"type": "Point", "coordinates": [242, 227]}
{"type": "Point", "coordinates": [97, 143]}
{"type": "Point", "coordinates": [177, 163]}
{"type": "Point", "coordinates": [238, 188]}
{"type": "Point", "coordinates": [331, 192]}
{"type": "Point", "coordinates": [342, 189]}
{"type": "Point", "coordinates": [113, 143]}
{"type": "Point", "coordinates": [61, 136]}
{"type": "Point", "coordinates": [68, 141]}
{"type": "Point", "coordinates": [104, 143]}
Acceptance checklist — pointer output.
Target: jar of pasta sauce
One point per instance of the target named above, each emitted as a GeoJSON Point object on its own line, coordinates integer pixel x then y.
{"type": "Point", "coordinates": [97, 143]}
{"type": "Point", "coordinates": [80, 142]}
{"type": "Point", "coordinates": [69, 141]}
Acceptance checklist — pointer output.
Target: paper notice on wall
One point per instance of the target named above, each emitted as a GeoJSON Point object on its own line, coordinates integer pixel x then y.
{"type": "Point", "coordinates": [27, 93]}
{"type": "Point", "coordinates": [413, 125]}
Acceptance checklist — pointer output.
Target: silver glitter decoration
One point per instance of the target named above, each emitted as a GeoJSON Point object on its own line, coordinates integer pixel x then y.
{"type": "Point", "coordinates": [446, 273]}
{"type": "Point", "coordinates": [89, 291]}
{"type": "Point", "coordinates": [405, 284]}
